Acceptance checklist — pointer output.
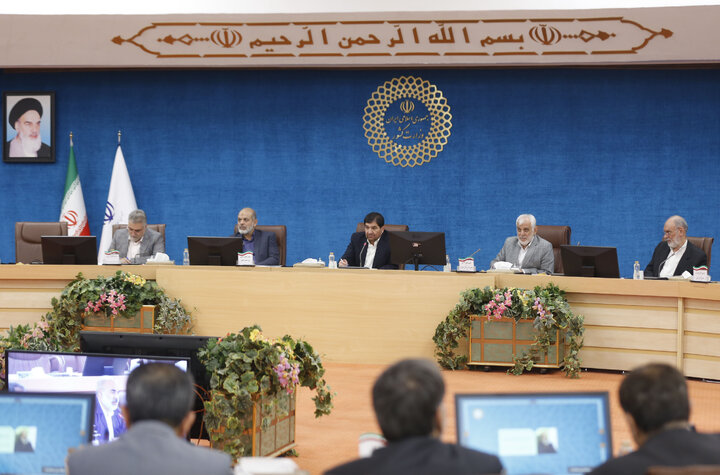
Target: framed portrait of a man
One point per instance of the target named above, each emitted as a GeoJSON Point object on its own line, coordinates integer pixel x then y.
{"type": "Point", "coordinates": [29, 132]}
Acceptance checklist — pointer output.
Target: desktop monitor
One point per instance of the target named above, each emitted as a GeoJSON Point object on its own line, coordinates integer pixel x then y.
{"type": "Point", "coordinates": [214, 251]}
{"type": "Point", "coordinates": [37, 430]}
{"type": "Point", "coordinates": [103, 376]}
{"type": "Point", "coordinates": [590, 261]}
{"type": "Point", "coordinates": [146, 344]}
{"type": "Point", "coordinates": [417, 247]}
{"type": "Point", "coordinates": [69, 250]}
{"type": "Point", "coordinates": [537, 433]}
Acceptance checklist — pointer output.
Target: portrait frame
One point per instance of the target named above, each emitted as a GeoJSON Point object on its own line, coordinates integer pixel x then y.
{"type": "Point", "coordinates": [46, 152]}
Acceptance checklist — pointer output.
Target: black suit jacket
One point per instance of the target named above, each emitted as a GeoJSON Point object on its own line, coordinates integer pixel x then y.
{"type": "Point", "coordinates": [692, 257]}
{"type": "Point", "coordinates": [421, 456]}
{"type": "Point", "coordinates": [670, 448]}
{"type": "Point", "coordinates": [356, 251]}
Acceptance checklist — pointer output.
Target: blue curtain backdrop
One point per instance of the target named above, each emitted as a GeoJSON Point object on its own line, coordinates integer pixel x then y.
{"type": "Point", "coordinates": [611, 153]}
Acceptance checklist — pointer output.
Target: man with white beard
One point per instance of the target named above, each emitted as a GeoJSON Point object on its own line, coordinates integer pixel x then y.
{"type": "Point", "coordinates": [25, 117]}
{"type": "Point", "coordinates": [675, 254]}
{"type": "Point", "coordinates": [527, 250]}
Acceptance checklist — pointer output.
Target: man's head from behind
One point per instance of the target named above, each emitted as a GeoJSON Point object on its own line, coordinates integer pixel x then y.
{"type": "Point", "coordinates": [407, 398]}
{"type": "Point", "coordinates": [160, 392]}
{"type": "Point", "coordinates": [374, 226]}
{"type": "Point", "coordinates": [655, 395]}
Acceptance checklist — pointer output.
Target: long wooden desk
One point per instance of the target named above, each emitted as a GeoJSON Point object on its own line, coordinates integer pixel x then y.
{"type": "Point", "coordinates": [380, 316]}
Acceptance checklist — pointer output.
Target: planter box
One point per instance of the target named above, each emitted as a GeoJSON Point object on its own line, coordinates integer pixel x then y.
{"type": "Point", "coordinates": [141, 322]}
{"type": "Point", "coordinates": [275, 439]}
{"type": "Point", "coordinates": [495, 342]}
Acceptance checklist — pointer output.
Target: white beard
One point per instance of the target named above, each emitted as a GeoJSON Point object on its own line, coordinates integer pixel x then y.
{"type": "Point", "coordinates": [22, 146]}
{"type": "Point", "coordinates": [245, 231]}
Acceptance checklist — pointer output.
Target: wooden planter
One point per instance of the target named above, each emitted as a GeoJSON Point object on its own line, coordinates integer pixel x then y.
{"type": "Point", "coordinates": [277, 438]}
{"type": "Point", "coordinates": [495, 342]}
{"type": "Point", "coordinates": [141, 322]}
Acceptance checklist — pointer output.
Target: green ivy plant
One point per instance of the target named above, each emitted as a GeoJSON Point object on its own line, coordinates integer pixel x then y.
{"type": "Point", "coordinates": [248, 368]}
{"type": "Point", "coordinates": [59, 329]}
{"type": "Point", "coordinates": [546, 306]}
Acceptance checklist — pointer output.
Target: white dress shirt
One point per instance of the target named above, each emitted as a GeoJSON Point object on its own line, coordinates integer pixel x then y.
{"type": "Point", "coordinates": [370, 255]}
{"type": "Point", "coordinates": [672, 261]}
{"type": "Point", "coordinates": [133, 248]}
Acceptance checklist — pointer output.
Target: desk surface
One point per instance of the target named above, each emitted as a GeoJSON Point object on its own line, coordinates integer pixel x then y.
{"type": "Point", "coordinates": [379, 316]}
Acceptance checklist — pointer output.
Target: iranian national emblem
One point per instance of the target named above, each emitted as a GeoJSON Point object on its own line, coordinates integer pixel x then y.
{"type": "Point", "coordinates": [71, 218]}
{"type": "Point", "coordinates": [407, 121]}
{"type": "Point", "coordinates": [109, 212]}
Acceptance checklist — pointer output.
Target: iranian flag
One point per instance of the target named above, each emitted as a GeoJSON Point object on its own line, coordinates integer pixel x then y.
{"type": "Point", "coordinates": [73, 204]}
{"type": "Point", "coordinates": [120, 202]}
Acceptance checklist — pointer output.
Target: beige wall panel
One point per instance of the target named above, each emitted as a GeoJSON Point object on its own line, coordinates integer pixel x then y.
{"type": "Point", "coordinates": [20, 316]}
{"type": "Point", "coordinates": [711, 305]}
{"type": "Point", "coordinates": [600, 358]}
{"type": "Point", "coordinates": [68, 273]}
{"type": "Point", "coordinates": [702, 368]}
{"type": "Point", "coordinates": [631, 339]}
{"type": "Point", "coordinates": [703, 345]}
{"type": "Point", "coordinates": [372, 316]}
{"type": "Point", "coordinates": [627, 316]}
{"type": "Point", "coordinates": [27, 298]}
{"type": "Point", "coordinates": [55, 284]}
{"type": "Point", "coordinates": [631, 300]}
{"type": "Point", "coordinates": [702, 321]}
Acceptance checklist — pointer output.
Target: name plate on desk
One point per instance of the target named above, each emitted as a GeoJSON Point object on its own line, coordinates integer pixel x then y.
{"type": "Point", "coordinates": [466, 265]}
{"type": "Point", "coordinates": [245, 259]}
{"type": "Point", "coordinates": [700, 274]}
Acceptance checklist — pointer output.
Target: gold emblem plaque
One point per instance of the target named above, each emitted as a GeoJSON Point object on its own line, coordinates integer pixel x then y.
{"type": "Point", "coordinates": [407, 121]}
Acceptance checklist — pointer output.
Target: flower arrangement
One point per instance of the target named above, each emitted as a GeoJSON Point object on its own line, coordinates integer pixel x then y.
{"type": "Point", "coordinates": [247, 367]}
{"type": "Point", "coordinates": [121, 295]}
{"type": "Point", "coordinates": [545, 306]}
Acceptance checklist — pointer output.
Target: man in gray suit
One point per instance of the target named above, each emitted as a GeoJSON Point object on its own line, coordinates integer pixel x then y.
{"type": "Point", "coordinates": [159, 412]}
{"type": "Point", "coordinates": [527, 250]}
{"type": "Point", "coordinates": [137, 243]}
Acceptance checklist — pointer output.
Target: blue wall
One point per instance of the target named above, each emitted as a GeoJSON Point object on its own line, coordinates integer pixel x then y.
{"type": "Point", "coordinates": [612, 153]}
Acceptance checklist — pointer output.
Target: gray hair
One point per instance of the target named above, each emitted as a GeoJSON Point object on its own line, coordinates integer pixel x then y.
{"type": "Point", "coordinates": [526, 217]}
{"type": "Point", "coordinates": [679, 222]}
{"type": "Point", "coordinates": [137, 216]}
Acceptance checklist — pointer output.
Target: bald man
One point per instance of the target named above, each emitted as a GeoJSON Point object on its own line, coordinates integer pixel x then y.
{"type": "Point", "coordinates": [263, 245]}
{"type": "Point", "coordinates": [25, 117]}
{"type": "Point", "coordinates": [675, 254]}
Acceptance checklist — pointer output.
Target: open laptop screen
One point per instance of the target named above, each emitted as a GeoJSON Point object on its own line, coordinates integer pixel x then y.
{"type": "Point", "coordinates": [36, 430]}
{"type": "Point", "coordinates": [537, 433]}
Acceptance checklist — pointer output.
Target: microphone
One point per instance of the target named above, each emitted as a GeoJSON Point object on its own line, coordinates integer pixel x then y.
{"type": "Point", "coordinates": [360, 257]}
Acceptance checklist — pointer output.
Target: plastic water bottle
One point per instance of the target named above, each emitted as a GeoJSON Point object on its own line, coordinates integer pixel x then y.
{"type": "Point", "coordinates": [331, 261]}
{"type": "Point", "coordinates": [186, 257]}
{"type": "Point", "coordinates": [636, 270]}
{"type": "Point", "coordinates": [448, 266]}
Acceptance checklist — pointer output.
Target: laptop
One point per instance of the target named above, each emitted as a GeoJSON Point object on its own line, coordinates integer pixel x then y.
{"type": "Point", "coordinates": [539, 432]}
{"type": "Point", "coordinates": [37, 429]}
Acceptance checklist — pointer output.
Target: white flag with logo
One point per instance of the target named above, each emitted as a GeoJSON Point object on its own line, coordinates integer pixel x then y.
{"type": "Point", "coordinates": [120, 202]}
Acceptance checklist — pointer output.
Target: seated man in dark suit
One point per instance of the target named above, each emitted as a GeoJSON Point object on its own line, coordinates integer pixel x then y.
{"type": "Point", "coordinates": [263, 245]}
{"type": "Point", "coordinates": [655, 400]}
{"type": "Point", "coordinates": [370, 248]}
{"type": "Point", "coordinates": [407, 398]}
{"type": "Point", "coordinates": [159, 412]}
{"type": "Point", "coordinates": [137, 243]}
{"type": "Point", "coordinates": [675, 254]}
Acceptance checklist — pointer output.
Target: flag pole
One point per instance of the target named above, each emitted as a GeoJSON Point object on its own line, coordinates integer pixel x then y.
{"type": "Point", "coordinates": [119, 134]}
{"type": "Point", "coordinates": [71, 144]}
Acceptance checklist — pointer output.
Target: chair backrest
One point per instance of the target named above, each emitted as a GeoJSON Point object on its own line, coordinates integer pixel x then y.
{"type": "Point", "coordinates": [155, 227]}
{"type": "Point", "coordinates": [557, 236]}
{"type": "Point", "coordinates": [388, 227]}
{"type": "Point", "coordinates": [704, 243]}
{"type": "Point", "coordinates": [280, 231]}
{"type": "Point", "coordinates": [28, 247]}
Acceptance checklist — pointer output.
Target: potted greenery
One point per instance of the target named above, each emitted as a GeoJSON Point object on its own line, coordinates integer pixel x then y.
{"type": "Point", "coordinates": [252, 390]}
{"type": "Point", "coordinates": [545, 309]}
